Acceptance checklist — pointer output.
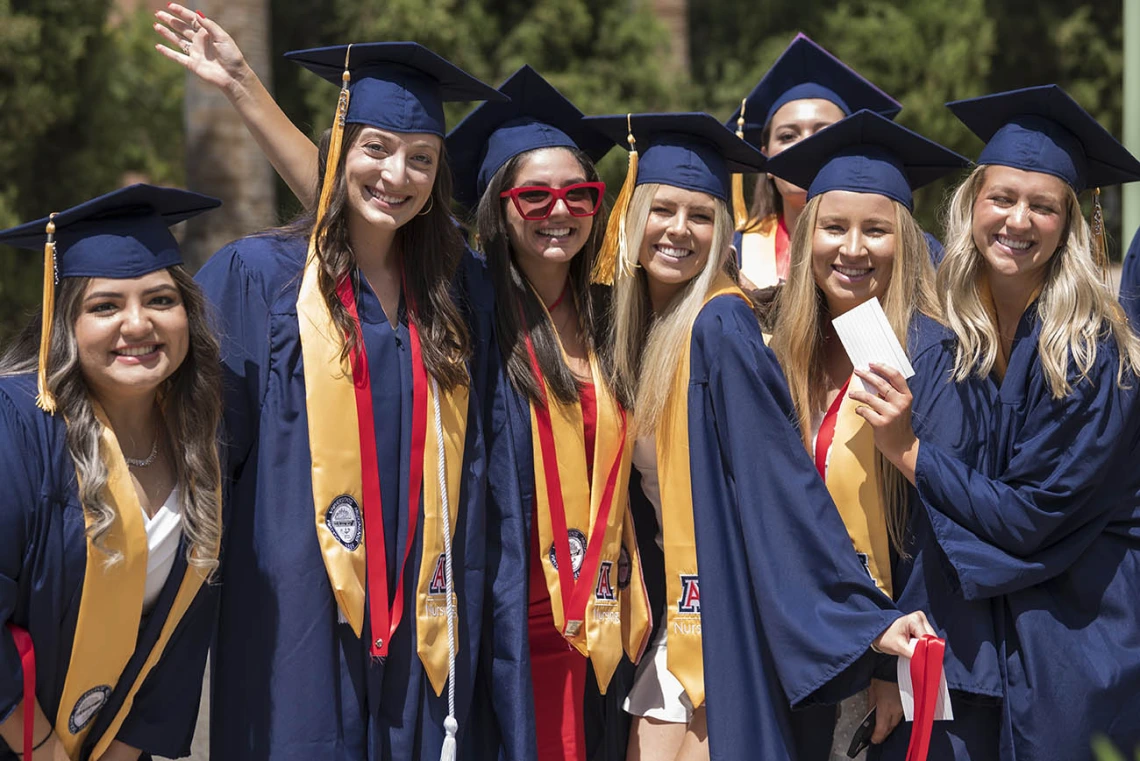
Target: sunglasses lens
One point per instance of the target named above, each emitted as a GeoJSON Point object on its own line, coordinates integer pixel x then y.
{"type": "Point", "coordinates": [581, 200]}
{"type": "Point", "coordinates": [535, 204]}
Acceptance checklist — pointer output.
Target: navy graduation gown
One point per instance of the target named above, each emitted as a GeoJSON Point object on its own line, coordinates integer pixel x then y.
{"type": "Point", "coordinates": [957, 417]}
{"type": "Point", "coordinates": [1130, 282]}
{"type": "Point", "coordinates": [511, 495]}
{"type": "Point", "coordinates": [43, 555]}
{"type": "Point", "coordinates": [289, 681]}
{"type": "Point", "coordinates": [788, 611]}
{"type": "Point", "coordinates": [1047, 530]}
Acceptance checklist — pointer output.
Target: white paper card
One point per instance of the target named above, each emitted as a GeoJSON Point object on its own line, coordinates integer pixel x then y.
{"type": "Point", "coordinates": [943, 711]}
{"type": "Point", "coordinates": [867, 337]}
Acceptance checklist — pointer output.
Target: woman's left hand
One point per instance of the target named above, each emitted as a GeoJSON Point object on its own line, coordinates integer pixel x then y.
{"type": "Point", "coordinates": [888, 413]}
{"type": "Point", "coordinates": [884, 696]}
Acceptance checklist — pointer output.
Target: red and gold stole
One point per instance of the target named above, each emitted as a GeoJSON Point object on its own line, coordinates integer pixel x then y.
{"type": "Point", "coordinates": [682, 582]}
{"type": "Point", "coordinates": [845, 458]}
{"type": "Point", "coordinates": [346, 479]}
{"type": "Point", "coordinates": [588, 552]}
{"type": "Point", "coordinates": [110, 611]}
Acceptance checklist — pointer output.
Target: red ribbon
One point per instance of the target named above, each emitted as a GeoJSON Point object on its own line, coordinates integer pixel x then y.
{"type": "Point", "coordinates": [385, 620]}
{"type": "Point", "coordinates": [925, 677]}
{"type": "Point", "coordinates": [827, 432]}
{"type": "Point", "coordinates": [575, 594]}
{"type": "Point", "coordinates": [27, 652]}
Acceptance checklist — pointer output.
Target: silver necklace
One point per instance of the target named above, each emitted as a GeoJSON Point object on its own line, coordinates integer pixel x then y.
{"type": "Point", "coordinates": [149, 458]}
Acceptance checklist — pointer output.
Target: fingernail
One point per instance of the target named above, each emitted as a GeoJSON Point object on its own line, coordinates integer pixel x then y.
{"type": "Point", "coordinates": [203, 15]}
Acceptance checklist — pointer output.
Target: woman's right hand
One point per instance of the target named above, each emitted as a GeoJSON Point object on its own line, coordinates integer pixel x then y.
{"type": "Point", "coordinates": [896, 640]}
{"type": "Point", "coordinates": [203, 47]}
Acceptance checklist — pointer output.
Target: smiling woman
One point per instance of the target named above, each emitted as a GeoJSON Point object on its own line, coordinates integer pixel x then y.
{"type": "Point", "coordinates": [114, 500]}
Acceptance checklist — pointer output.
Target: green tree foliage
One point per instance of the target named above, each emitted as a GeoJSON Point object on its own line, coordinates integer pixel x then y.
{"type": "Point", "coordinates": [83, 104]}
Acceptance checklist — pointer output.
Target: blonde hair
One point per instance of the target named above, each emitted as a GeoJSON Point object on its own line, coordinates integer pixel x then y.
{"type": "Point", "coordinates": [1076, 308]}
{"type": "Point", "coordinates": [644, 344]}
{"type": "Point", "coordinates": [799, 331]}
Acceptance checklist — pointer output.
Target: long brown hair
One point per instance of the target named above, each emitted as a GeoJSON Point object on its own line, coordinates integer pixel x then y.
{"type": "Point", "coordinates": [432, 247]}
{"type": "Point", "coordinates": [798, 336]}
{"type": "Point", "coordinates": [191, 403]}
{"type": "Point", "coordinates": [766, 199]}
{"type": "Point", "coordinates": [518, 312]}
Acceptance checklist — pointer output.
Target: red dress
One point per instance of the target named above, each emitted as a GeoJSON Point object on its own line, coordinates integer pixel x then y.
{"type": "Point", "coordinates": [557, 669]}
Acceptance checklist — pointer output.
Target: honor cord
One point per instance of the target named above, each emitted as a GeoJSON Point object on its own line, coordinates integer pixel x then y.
{"type": "Point", "coordinates": [450, 725]}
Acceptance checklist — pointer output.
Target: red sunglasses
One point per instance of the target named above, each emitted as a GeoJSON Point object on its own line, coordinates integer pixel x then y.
{"type": "Point", "coordinates": [582, 199]}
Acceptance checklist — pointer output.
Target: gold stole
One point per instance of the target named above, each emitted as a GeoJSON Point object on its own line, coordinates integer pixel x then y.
{"type": "Point", "coordinates": [758, 254]}
{"type": "Point", "coordinates": [853, 483]}
{"type": "Point", "coordinates": [110, 611]}
{"type": "Point", "coordinates": [335, 449]}
{"type": "Point", "coordinates": [682, 585]}
{"type": "Point", "coordinates": [599, 607]}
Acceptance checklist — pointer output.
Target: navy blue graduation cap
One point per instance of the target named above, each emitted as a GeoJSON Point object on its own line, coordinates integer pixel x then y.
{"type": "Point", "coordinates": [805, 70]}
{"type": "Point", "coordinates": [1042, 129]}
{"type": "Point", "coordinates": [123, 234]}
{"type": "Point", "coordinates": [688, 150]}
{"type": "Point", "coordinates": [396, 86]}
{"type": "Point", "coordinates": [536, 116]}
{"type": "Point", "coordinates": [865, 153]}
{"type": "Point", "coordinates": [692, 151]}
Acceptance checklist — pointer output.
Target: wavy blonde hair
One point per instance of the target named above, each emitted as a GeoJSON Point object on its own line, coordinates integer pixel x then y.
{"type": "Point", "coordinates": [1076, 308]}
{"type": "Point", "coordinates": [798, 336]}
{"type": "Point", "coordinates": [641, 341]}
{"type": "Point", "coordinates": [191, 400]}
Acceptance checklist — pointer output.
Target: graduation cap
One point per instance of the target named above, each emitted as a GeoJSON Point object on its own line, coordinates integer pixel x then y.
{"type": "Point", "coordinates": [396, 86]}
{"type": "Point", "coordinates": [1042, 129]}
{"type": "Point", "coordinates": [537, 116]}
{"type": "Point", "coordinates": [692, 151]}
{"type": "Point", "coordinates": [865, 153]}
{"type": "Point", "coordinates": [123, 234]}
{"type": "Point", "coordinates": [803, 71]}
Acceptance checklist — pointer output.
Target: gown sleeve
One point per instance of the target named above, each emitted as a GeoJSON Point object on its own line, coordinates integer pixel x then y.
{"type": "Point", "coordinates": [504, 727]}
{"type": "Point", "coordinates": [779, 543]}
{"type": "Point", "coordinates": [241, 313]}
{"type": "Point", "coordinates": [20, 472]}
{"type": "Point", "coordinates": [165, 711]}
{"type": "Point", "coordinates": [1048, 504]}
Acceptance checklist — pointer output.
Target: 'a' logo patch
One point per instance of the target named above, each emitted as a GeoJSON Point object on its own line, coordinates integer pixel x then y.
{"type": "Point", "coordinates": [690, 601]}
{"type": "Point", "coordinates": [438, 585]}
{"type": "Point", "coordinates": [344, 521]}
{"type": "Point", "coordinates": [605, 587]}
{"type": "Point", "coordinates": [87, 707]}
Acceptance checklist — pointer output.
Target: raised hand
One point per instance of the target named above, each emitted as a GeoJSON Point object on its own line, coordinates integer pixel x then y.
{"type": "Point", "coordinates": [202, 46]}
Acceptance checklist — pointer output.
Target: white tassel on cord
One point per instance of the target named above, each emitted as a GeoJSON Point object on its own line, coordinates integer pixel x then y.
{"type": "Point", "coordinates": [450, 725]}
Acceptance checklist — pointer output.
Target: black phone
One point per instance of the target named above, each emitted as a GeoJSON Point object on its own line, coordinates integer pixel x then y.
{"type": "Point", "coordinates": [862, 737]}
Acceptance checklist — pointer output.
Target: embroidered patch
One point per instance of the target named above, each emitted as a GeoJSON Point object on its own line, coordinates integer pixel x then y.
{"type": "Point", "coordinates": [87, 707]}
{"type": "Point", "coordinates": [690, 601]}
{"type": "Point", "coordinates": [577, 551]}
{"type": "Point", "coordinates": [604, 589]}
{"type": "Point", "coordinates": [625, 569]}
{"type": "Point", "coordinates": [438, 583]}
{"type": "Point", "coordinates": [343, 520]}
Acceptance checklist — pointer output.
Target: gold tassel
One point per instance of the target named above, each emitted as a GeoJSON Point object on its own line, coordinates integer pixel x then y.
{"type": "Point", "coordinates": [333, 157]}
{"type": "Point", "coordinates": [612, 255]}
{"type": "Point", "coordinates": [739, 209]}
{"type": "Point", "coordinates": [1099, 243]}
{"type": "Point", "coordinates": [45, 399]}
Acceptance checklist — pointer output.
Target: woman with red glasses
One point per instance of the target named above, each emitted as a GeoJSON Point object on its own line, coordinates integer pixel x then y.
{"type": "Point", "coordinates": [558, 446]}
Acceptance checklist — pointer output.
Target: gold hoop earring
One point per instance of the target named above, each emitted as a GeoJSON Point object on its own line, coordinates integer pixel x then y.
{"type": "Point", "coordinates": [431, 204]}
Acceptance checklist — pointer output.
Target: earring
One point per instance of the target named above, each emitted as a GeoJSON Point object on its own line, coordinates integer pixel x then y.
{"type": "Point", "coordinates": [431, 204]}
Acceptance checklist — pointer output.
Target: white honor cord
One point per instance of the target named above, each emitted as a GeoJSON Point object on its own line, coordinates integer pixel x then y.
{"type": "Point", "coordinates": [450, 725]}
